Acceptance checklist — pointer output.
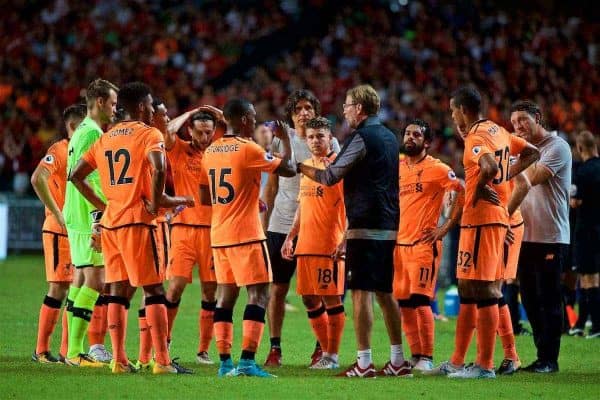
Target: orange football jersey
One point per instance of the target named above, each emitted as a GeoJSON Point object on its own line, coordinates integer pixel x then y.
{"type": "Point", "coordinates": [233, 165]}
{"type": "Point", "coordinates": [322, 215]}
{"type": "Point", "coordinates": [55, 162]}
{"type": "Point", "coordinates": [422, 188]}
{"type": "Point", "coordinates": [121, 157]}
{"type": "Point", "coordinates": [486, 137]}
{"type": "Point", "coordinates": [188, 176]}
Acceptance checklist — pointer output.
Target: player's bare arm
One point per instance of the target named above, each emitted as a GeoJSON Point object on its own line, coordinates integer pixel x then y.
{"type": "Point", "coordinates": [488, 169]}
{"type": "Point", "coordinates": [269, 194]}
{"type": "Point", "coordinates": [159, 199]}
{"type": "Point", "coordinates": [39, 181]}
{"type": "Point", "coordinates": [77, 177]}
{"type": "Point", "coordinates": [522, 186]}
{"type": "Point", "coordinates": [528, 156]}
{"type": "Point", "coordinates": [538, 174]}
{"type": "Point", "coordinates": [285, 169]}
{"type": "Point", "coordinates": [457, 200]}
{"type": "Point", "coordinates": [287, 250]}
{"type": "Point", "coordinates": [340, 250]}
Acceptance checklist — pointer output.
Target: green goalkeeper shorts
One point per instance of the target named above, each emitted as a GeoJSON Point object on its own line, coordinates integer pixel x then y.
{"type": "Point", "coordinates": [82, 255]}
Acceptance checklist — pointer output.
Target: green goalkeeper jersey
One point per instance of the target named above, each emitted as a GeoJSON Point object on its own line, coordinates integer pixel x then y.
{"type": "Point", "coordinates": [77, 210]}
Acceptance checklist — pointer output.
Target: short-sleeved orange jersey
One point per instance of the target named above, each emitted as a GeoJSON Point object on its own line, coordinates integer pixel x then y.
{"type": "Point", "coordinates": [188, 175]}
{"type": "Point", "coordinates": [422, 188]}
{"type": "Point", "coordinates": [486, 137]}
{"type": "Point", "coordinates": [322, 215]}
{"type": "Point", "coordinates": [233, 165]}
{"type": "Point", "coordinates": [55, 162]}
{"type": "Point", "coordinates": [121, 157]}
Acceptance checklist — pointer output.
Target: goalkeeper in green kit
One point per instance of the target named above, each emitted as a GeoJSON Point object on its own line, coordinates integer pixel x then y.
{"type": "Point", "coordinates": [79, 215]}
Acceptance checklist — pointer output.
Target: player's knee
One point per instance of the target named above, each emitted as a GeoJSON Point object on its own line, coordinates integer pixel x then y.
{"type": "Point", "coordinates": [311, 302]}
{"type": "Point", "coordinates": [209, 291]}
{"type": "Point", "coordinates": [279, 291]}
{"type": "Point", "coordinates": [154, 290]}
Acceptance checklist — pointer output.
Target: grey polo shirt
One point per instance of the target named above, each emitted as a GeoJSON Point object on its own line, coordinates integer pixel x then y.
{"type": "Point", "coordinates": [286, 200]}
{"type": "Point", "coordinates": [546, 207]}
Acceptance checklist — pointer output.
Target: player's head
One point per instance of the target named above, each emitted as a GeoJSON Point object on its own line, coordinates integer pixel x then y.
{"type": "Point", "coordinates": [526, 119]}
{"type": "Point", "coordinates": [318, 136]}
{"type": "Point", "coordinates": [263, 136]}
{"type": "Point", "coordinates": [72, 117]}
{"type": "Point", "coordinates": [361, 102]}
{"type": "Point", "coordinates": [417, 137]}
{"type": "Point", "coordinates": [586, 143]}
{"type": "Point", "coordinates": [240, 116]}
{"type": "Point", "coordinates": [101, 99]}
{"type": "Point", "coordinates": [161, 117]}
{"type": "Point", "coordinates": [301, 106]}
{"type": "Point", "coordinates": [136, 100]}
{"type": "Point", "coordinates": [465, 106]}
{"type": "Point", "coordinates": [202, 129]}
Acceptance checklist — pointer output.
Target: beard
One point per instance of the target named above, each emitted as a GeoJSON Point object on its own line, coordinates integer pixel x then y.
{"type": "Point", "coordinates": [413, 150]}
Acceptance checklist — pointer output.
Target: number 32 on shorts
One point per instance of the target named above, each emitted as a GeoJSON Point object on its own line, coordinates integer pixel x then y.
{"type": "Point", "coordinates": [464, 259]}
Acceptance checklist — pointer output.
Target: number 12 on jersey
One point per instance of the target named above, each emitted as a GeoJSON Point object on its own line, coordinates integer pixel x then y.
{"type": "Point", "coordinates": [222, 183]}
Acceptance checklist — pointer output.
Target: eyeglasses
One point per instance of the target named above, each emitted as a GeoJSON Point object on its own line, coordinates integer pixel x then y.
{"type": "Point", "coordinates": [344, 106]}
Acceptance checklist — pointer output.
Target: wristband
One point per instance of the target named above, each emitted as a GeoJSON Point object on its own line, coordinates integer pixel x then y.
{"type": "Point", "coordinates": [96, 215]}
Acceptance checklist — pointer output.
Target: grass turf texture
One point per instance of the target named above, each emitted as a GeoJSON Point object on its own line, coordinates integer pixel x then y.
{"type": "Point", "coordinates": [22, 288]}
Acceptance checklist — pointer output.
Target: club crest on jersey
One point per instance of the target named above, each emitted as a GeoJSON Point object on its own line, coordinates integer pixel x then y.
{"type": "Point", "coordinates": [451, 175]}
{"type": "Point", "coordinates": [49, 159]}
{"type": "Point", "coordinates": [269, 157]}
{"type": "Point", "coordinates": [476, 150]}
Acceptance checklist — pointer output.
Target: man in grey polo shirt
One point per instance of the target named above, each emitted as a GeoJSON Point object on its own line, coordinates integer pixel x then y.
{"type": "Point", "coordinates": [281, 198]}
{"type": "Point", "coordinates": [545, 210]}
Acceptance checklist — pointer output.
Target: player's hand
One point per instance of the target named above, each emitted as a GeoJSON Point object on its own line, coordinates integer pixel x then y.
{"type": "Point", "coordinates": [287, 250]}
{"type": "Point", "coordinates": [213, 110]}
{"type": "Point", "coordinates": [188, 201]}
{"type": "Point", "coordinates": [510, 237]}
{"type": "Point", "coordinates": [340, 252]}
{"type": "Point", "coordinates": [61, 220]}
{"type": "Point", "coordinates": [433, 235]}
{"type": "Point", "coordinates": [280, 130]}
{"type": "Point", "coordinates": [151, 208]}
{"type": "Point", "coordinates": [486, 193]}
{"type": "Point", "coordinates": [95, 239]}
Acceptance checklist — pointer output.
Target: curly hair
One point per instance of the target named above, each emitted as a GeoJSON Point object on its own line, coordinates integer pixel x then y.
{"type": "Point", "coordinates": [294, 98]}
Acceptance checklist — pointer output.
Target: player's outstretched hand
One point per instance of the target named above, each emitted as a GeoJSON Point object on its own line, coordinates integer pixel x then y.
{"type": "Point", "coordinates": [486, 193]}
{"type": "Point", "coordinates": [279, 129]}
{"type": "Point", "coordinates": [287, 250]}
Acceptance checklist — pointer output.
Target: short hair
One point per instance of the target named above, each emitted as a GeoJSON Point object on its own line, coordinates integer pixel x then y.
{"type": "Point", "coordinates": [425, 128]}
{"type": "Point", "coordinates": [98, 88]}
{"type": "Point", "coordinates": [236, 108]}
{"type": "Point", "coordinates": [587, 140]}
{"type": "Point", "coordinates": [294, 98]}
{"type": "Point", "coordinates": [529, 107]}
{"type": "Point", "coordinates": [157, 102]}
{"type": "Point", "coordinates": [467, 97]}
{"type": "Point", "coordinates": [203, 116]}
{"type": "Point", "coordinates": [318, 123]}
{"type": "Point", "coordinates": [77, 111]}
{"type": "Point", "coordinates": [367, 97]}
{"type": "Point", "coordinates": [132, 94]}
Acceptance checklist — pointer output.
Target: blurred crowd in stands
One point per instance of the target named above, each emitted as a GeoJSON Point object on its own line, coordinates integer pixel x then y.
{"type": "Point", "coordinates": [413, 52]}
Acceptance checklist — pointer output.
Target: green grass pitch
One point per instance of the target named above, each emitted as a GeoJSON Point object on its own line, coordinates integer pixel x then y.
{"type": "Point", "coordinates": [22, 288]}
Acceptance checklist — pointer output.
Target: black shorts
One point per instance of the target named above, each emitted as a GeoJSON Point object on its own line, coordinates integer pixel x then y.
{"type": "Point", "coordinates": [283, 270]}
{"type": "Point", "coordinates": [370, 265]}
{"type": "Point", "coordinates": [587, 252]}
